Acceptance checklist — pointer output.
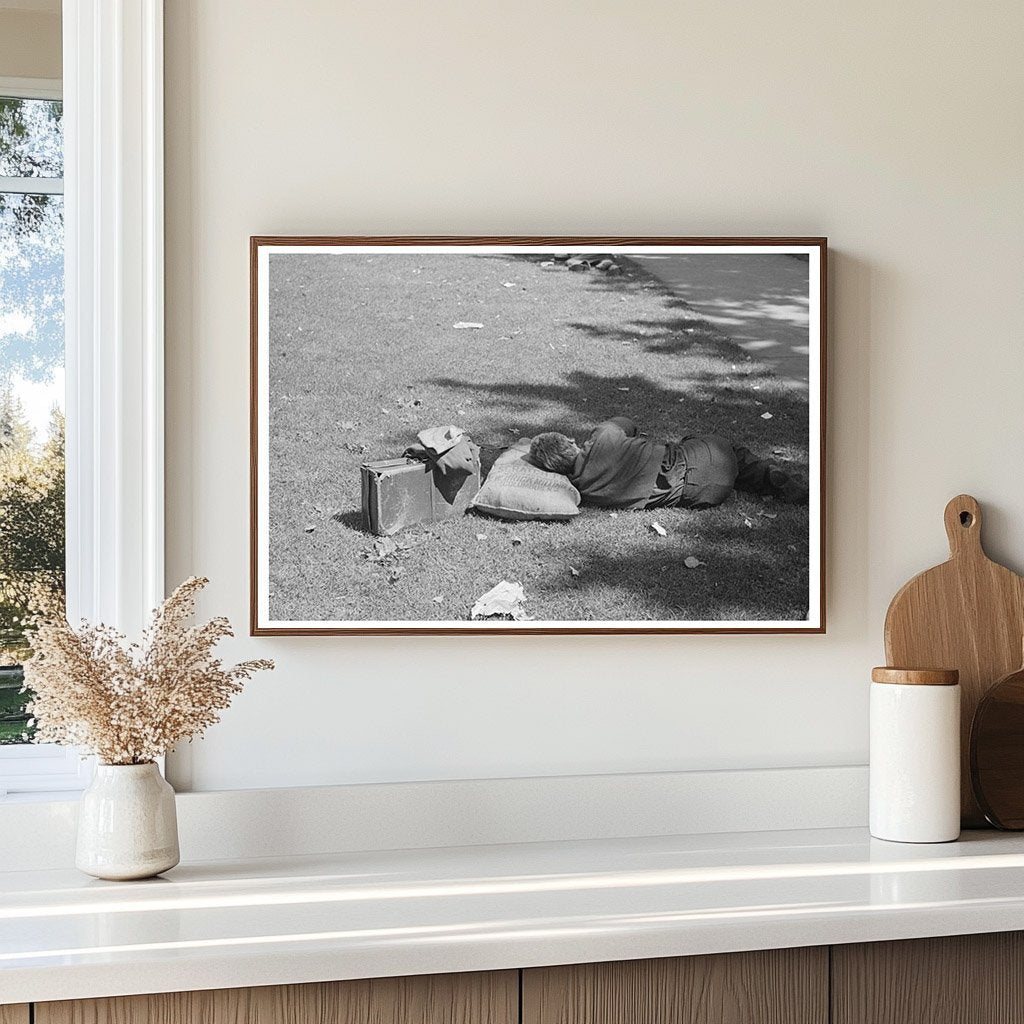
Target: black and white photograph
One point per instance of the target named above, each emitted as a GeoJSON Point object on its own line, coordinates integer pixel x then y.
{"type": "Point", "coordinates": [537, 435]}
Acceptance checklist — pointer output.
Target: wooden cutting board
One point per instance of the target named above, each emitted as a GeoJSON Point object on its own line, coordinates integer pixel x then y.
{"type": "Point", "coordinates": [967, 614]}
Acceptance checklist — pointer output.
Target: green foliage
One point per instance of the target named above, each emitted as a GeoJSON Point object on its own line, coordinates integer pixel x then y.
{"type": "Point", "coordinates": [32, 546]}
{"type": "Point", "coordinates": [14, 727]}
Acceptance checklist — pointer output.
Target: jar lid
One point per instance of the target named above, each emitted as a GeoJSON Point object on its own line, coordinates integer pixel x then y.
{"type": "Point", "coordinates": [916, 676]}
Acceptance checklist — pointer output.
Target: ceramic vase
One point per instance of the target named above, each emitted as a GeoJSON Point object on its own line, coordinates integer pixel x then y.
{"type": "Point", "coordinates": [127, 825]}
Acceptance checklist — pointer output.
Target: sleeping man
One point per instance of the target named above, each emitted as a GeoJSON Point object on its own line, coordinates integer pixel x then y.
{"type": "Point", "coordinates": [618, 467]}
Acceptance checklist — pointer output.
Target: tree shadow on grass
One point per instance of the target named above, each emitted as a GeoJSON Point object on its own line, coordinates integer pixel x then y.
{"type": "Point", "coordinates": [714, 389]}
{"type": "Point", "coordinates": [697, 403]}
{"type": "Point", "coordinates": [741, 580]}
{"type": "Point", "coordinates": [673, 336]}
{"type": "Point", "coordinates": [757, 312]}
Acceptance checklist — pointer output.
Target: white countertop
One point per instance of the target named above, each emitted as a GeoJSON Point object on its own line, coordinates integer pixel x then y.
{"type": "Point", "coordinates": [352, 915]}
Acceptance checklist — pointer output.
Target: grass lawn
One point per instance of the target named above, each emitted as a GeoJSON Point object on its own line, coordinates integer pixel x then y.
{"type": "Point", "coordinates": [363, 354]}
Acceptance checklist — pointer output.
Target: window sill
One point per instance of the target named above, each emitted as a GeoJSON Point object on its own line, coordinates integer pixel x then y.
{"type": "Point", "coordinates": [42, 797]}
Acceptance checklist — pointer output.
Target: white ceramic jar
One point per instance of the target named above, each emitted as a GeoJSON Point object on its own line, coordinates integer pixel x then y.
{"type": "Point", "coordinates": [127, 823]}
{"type": "Point", "coordinates": [915, 755]}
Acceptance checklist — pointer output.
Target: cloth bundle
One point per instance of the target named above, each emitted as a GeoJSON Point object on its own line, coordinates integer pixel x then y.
{"type": "Point", "coordinates": [450, 454]}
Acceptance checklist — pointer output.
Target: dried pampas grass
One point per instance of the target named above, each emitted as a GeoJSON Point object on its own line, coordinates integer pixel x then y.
{"type": "Point", "coordinates": [130, 703]}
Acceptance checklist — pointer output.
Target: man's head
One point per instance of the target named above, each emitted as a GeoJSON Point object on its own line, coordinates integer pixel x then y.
{"type": "Point", "coordinates": [554, 452]}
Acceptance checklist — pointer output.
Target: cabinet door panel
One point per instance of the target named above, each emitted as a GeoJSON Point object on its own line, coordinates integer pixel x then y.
{"type": "Point", "coordinates": [14, 1014]}
{"type": "Point", "coordinates": [960, 979]}
{"type": "Point", "coordinates": [483, 998]}
{"type": "Point", "coordinates": [778, 986]}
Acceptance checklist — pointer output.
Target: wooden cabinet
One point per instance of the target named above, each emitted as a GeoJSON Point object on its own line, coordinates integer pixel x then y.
{"type": "Point", "coordinates": [967, 979]}
{"type": "Point", "coordinates": [962, 979]}
{"type": "Point", "coordinates": [491, 998]}
{"type": "Point", "coordinates": [778, 986]}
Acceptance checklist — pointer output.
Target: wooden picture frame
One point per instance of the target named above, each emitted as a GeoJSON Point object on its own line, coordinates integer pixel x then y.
{"type": "Point", "coordinates": [358, 343]}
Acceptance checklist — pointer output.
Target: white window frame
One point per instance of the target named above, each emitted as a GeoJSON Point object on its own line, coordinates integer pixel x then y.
{"type": "Point", "coordinates": [114, 322]}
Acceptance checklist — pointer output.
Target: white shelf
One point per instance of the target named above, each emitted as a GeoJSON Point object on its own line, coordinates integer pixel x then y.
{"type": "Point", "coordinates": [353, 915]}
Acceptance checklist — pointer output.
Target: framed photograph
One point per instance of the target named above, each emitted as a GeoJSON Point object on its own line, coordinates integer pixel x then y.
{"type": "Point", "coordinates": [537, 435]}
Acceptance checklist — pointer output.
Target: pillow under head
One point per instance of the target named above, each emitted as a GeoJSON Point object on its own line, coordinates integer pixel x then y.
{"type": "Point", "coordinates": [517, 489]}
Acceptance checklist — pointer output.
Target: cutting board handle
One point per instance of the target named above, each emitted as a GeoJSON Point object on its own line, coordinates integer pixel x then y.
{"type": "Point", "coordinates": [963, 526]}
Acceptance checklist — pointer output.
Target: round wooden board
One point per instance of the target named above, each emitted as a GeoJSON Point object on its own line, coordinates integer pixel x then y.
{"type": "Point", "coordinates": [997, 752]}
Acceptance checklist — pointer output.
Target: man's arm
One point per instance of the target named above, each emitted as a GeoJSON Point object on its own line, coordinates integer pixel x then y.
{"type": "Point", "coordinates": [610, 428]}
{"type": "Point", "coordinates": [624, 423]}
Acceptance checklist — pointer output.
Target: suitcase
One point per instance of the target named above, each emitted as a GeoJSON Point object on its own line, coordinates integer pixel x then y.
{"type": "Point", "coordinates": [402, 492]}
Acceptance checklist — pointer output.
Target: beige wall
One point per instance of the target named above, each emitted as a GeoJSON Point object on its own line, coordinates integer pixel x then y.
{"type": "Point", "coordinates": [895, 129]}
{"type": "Point", "coordinates": [29, 44]}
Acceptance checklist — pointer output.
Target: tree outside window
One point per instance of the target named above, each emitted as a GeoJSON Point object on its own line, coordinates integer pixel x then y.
{"type": "Point", "coordinates": [32, 544]}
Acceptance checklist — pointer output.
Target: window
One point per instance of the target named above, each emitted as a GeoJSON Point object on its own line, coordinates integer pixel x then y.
{"type": "Point", "coordinates": [31, 384]}
{"type": "Point", "coordinates": [32, 530]}
{"type": "Point", "coordinates": [112, 207]}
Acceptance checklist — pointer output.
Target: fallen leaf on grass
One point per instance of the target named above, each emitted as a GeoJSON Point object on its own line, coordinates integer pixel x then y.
{"type": "Point", "coordinates": [766, 416]}
{"type": "Point", "coordinates": [659, 529]}
{"type": "Point", "coordinates": [692, 563]}
{"type": "Point", "coordinates": [392, 547]}
{"type": "Point", "coordinates": [464, 325]}
{"type": "Point", "coordinates": [382, 549]}
{"type": "Point", "coordinates": [502, 599]}
{"type": "Point", "coordinates": [409, 541]}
